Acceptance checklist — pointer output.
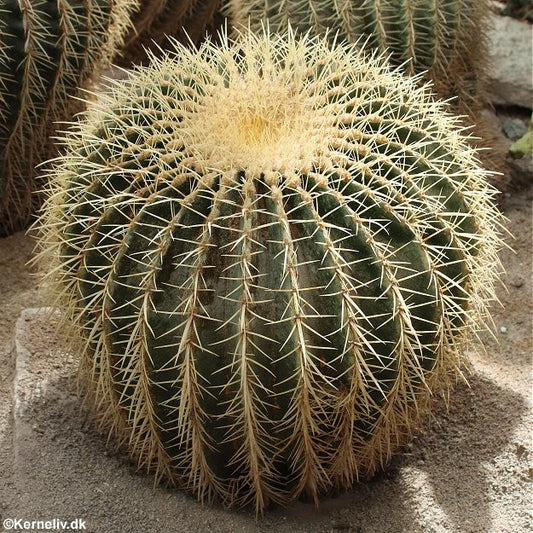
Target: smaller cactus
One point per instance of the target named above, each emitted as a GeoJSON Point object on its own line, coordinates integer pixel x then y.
{"type": "Point", "coordinates": [48, 50]}
{"type": "Point", "coordinates": [524, 145]}
{"type": "Point", "coordinates": [157, 20]}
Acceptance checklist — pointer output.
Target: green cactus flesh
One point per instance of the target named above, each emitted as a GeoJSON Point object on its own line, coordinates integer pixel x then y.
{"type": "Point", "coordinates": [272, 254]}
{"type": "Point", "coordinates": [48, 49]}
{"type": "Point", "coordinates": [444, 40]}
{"type": "Point", "coordinates": [524, 145]}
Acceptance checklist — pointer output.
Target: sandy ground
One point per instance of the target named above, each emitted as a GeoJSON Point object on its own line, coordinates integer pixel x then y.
{"type": "Point", "coordinates": [470, 471]}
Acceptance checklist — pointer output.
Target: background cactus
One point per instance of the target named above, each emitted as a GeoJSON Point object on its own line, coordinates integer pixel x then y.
{"type": "Point", "coordinates": [272, 254]}
{"type": "Point", "coordinates": [156, 20]}
{"type": "Point", "coordinates": [48, 48]}
{"type": "Point", "coordinates": [445, 38]}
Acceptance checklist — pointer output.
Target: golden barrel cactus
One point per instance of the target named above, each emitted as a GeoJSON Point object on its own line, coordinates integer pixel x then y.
{"type": "Point", "coordinates": [270, 254]}
{"type": "Point", "coordinates": [444, 40]}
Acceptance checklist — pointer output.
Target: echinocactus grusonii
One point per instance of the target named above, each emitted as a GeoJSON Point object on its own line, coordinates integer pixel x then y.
{"type": "Point", "coordinates": [270, 255]}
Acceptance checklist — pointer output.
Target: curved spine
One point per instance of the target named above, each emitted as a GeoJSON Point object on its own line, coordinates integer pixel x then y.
{"type": "Point", "coordinates": [51, 50]}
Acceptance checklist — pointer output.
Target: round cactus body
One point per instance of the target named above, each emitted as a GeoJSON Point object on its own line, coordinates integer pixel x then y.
{"type": "Point", "coordinates": [48, 49]}
{"type": "Point", "coordinates": [273, 253]}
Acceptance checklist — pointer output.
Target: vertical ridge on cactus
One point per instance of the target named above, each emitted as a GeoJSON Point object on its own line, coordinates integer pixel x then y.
{"type": "Point", "coordinates": [271, 255]}
{"type": "Point", "coordinates": [48, 49]}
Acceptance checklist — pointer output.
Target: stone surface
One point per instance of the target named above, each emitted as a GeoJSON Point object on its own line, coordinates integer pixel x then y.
{"type": "Point", "coordinates": [522, 170]}
{"type": "Point", "coordinates": [514, 128]}
{"type": "Point", "coordinates": [511, 71]}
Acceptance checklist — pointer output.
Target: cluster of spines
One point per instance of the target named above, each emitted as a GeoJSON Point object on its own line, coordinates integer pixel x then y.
{"type": "Point", "coordinates": [48, 49]}
{"type": "Point", "coordinates": [259, 336]}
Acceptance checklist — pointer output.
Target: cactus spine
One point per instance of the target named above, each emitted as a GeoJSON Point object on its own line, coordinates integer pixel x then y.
{"type": "Point", "coordinates": [444, 38]}
{"type": "Point", "coordinates": [273, 253]}
{"type": "Point", "coordinates": [48, 48]}
{"type": "Point", "coordinates": [156, 20]}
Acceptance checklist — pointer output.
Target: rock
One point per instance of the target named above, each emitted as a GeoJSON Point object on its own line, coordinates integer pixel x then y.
{"type": "Point", "coordinates": [514, 128]}
{"type": "Point", "coordinates": [517, 282]}
{"type": "Point", "coordinates": [511, 71]}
